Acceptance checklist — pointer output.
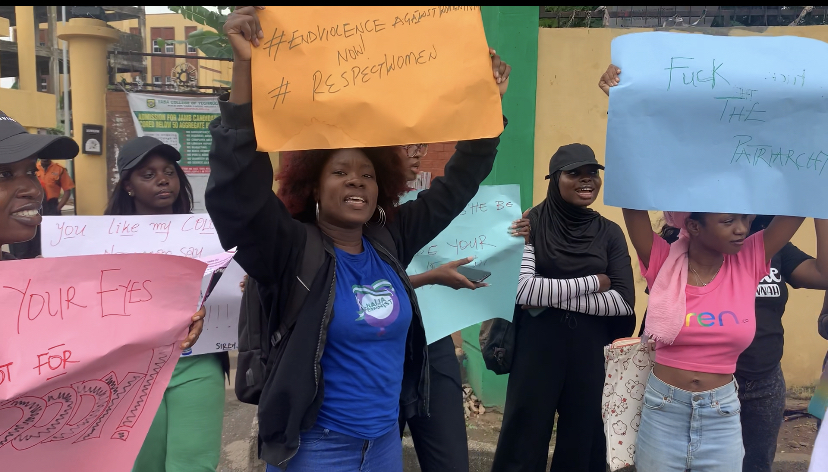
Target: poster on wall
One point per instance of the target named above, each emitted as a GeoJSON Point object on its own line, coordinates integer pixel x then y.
{"type": "Point", "coordinates": [182, 123]}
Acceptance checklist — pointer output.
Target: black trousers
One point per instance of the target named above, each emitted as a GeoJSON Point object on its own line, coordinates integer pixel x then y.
{"type": "Point", "coordinates": [558, 366]}
{"type": "Point", "coordinates": [31, 248]}
{"type": "Point", "coordinates": [763, 410]}
{"type": "Point", "coordinates": [440, 439]}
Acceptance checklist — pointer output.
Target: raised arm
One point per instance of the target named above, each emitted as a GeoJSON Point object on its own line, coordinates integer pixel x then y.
{"type": "Point", "coordinates": [239, 197]}
{"type": "Point", "coordinates": [779, 233]}
{"type": "Point", "coordinates": [423, 219]}
{"type": "Point", "coordinates": [641, 233]}
{"type": "Point", "coordinates": [811, 273]}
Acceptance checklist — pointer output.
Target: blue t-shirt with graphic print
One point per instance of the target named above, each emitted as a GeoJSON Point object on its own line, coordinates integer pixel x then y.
{"type": "Point", "coordinates": [365, 349]}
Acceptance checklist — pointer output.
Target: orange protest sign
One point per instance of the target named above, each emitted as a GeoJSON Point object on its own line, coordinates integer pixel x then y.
{"type": "Point", "coordinates": [341, 77]}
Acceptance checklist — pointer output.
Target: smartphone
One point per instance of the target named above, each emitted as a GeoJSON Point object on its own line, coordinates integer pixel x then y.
{"type": "Point", "coordinates": [474, 275]}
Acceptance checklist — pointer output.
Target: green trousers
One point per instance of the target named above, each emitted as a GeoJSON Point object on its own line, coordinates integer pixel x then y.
{"type": "Point", "coordinates": [185, 435]}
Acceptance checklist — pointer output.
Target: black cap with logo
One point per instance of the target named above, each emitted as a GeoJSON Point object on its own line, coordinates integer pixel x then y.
{"type": "Point", "coordinates": [17, 144]}
{"type": "Point", "coordinates": [134, 151]}
{"type": "Point", "coordinates": [571, 157]}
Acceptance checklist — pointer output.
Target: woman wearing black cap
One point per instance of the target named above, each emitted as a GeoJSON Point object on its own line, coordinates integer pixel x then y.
{"type": "Point", "coordinates": [558, 364]}
{"type": "Point", "coordinates": [186, 433]}
{"type": "Point", "coordinates": [21, 195]}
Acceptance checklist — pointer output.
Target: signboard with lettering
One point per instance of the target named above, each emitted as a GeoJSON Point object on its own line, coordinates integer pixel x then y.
{"type": "Point", "coordinates": [190, 236]}
{"type": "Point", "coordinates": [353, 76]}
{"type": "Point", "coordinates": [89, 345]}
{"type": "Point", "coordinates": [718, 124]}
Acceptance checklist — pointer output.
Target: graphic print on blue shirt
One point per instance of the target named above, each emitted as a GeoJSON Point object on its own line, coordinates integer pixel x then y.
{"type": "Point", "coordinates": [378, 304]}
{"type": "Point", "coordinates": [362, 363]}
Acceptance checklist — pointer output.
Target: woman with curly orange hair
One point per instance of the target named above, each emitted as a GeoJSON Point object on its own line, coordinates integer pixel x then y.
{"type": "Point", "coordinates": [357, 354]}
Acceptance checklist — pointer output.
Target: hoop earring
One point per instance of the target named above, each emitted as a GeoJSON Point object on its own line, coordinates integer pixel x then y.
{"type": "Point", "coordinates": [130, 194]}
{"type": "Point", "coordinates": [382, 218]}
{"type": "Point", "coordinates": [317, 211]}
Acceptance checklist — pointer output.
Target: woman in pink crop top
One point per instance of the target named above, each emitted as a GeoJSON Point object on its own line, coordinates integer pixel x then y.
{"type": "Point", "coordinates": [701, 314]}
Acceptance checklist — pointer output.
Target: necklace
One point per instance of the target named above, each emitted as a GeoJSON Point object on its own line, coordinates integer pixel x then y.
{"type": "Point", "coordinates": [699, 280]}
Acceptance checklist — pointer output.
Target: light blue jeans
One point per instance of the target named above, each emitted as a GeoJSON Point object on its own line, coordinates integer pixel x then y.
{"type": "Point", "coordinates": [695, 431]}
{"type": "Point", "coordinates": [325, 450]}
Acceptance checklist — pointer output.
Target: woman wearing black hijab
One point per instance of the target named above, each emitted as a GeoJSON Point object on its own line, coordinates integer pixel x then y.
{"type": "Point", "coordinates": [558, 364]}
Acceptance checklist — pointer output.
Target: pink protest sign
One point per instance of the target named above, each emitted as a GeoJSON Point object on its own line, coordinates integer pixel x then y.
{"type": "Point", "coordinates": [87, 347]}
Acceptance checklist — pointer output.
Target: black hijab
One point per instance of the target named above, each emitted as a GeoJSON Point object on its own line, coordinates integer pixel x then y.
{"type": "Point", "coordinates": [564, 235]}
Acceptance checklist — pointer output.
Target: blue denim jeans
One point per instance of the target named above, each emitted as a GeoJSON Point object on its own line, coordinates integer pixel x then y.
{"type": "Point", "coordinates": [696, 431]}
{"type": "Point", "coordinates": [322, 449]}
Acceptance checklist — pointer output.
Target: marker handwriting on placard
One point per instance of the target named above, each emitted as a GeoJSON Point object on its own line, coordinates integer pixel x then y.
{"type": "Point", "coordinates": [321, 33]}
{"type": "Point", "coordinates": [67, 420]}
{"type": "Point", "coordinates": [755, 154]}
{"type": "Point", "coordinates": [281, 92]}
{"type": "Point", "coordinates": [5, 373]}
{"type": "Point", "coordinates": [123, 227]}
{"type": "Point", "coordinates": [335, 82]}
{"type": "Point", "coordinates": [34, 302]}
{"type": "Point", "coordinates": [66, 231]}
{"type": "Point", "coordinates": [430, 250]}
{"type": "Point", "coordinates": [56, 359]}
{"type": "Point", "coordinates": [475, 244]}
{"type": "Point", "coordinates": [501, 205]}
{"type": "Point", "coordinates": [199, 224]}
{"type": "Point", "coordinates": [134, 291]}
{"type": "Point", "coordinates": [696, 75]}
{"type": "Point", "coordinates": [792, 79]}
{"type": "Point", "coordinates": [351, 52]}
{"type": "Point", "coordinates": [162, 228]}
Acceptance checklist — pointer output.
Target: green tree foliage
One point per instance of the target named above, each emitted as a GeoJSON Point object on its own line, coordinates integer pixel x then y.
{"type": "Point", "coordinates": [211, 43]}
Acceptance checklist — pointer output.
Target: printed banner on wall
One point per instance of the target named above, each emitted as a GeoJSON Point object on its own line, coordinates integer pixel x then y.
{"type": "Point", "coordinates": [481, 231]}
{"type": "Point", "coordinates": [352, 76]}
{"type": "Point", "coordinates": [89, 345]}
{"type": "Point", "coordinates": [182, 123]}
{"type": "Point", "coordinates": [718, 124]}
{"type": "Point", "coordinates": [190, 236]}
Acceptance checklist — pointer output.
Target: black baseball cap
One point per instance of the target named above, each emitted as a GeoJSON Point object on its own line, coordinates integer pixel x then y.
{"type": "Point", "coordinates": [571, 157]}
{"type": "Point", "coordinates": [134, 151]}
{"type": "Point", "coordinates": [17, 144]}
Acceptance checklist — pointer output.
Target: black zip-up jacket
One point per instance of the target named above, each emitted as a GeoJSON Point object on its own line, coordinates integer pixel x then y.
{"type": "Point", "coordinates": [249, 216]}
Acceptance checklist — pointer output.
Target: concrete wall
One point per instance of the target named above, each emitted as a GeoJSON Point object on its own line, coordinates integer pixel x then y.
{"type": "Point", "coordinates": [571, 108]}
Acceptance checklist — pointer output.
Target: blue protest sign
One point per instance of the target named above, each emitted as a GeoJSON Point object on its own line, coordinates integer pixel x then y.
{"type": "Point", "coordinates": [482, 231]}
{"type": "Point", "coordinates": [719, 124]}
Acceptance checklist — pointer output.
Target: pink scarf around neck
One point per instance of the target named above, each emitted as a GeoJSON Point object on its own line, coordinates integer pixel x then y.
{"type": "Point", "coordinates": [668, 300]}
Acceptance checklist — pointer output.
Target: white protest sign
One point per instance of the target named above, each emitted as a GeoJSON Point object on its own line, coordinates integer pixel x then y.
{"type": "Point", "coordinates": [190, 236]}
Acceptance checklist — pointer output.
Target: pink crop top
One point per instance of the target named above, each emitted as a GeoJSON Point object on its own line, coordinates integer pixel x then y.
{"type": "Point", "coordinates": [721, 318]}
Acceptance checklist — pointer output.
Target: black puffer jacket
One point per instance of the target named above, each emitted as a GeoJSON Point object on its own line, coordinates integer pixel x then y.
{"type": "Point", "coordinates": [249, 216]}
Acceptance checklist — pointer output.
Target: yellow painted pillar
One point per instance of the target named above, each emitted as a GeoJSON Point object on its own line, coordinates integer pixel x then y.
{"type": "Point", "coordinates": [27, 71]}
{"type": "Point", "coordinates": [88, 39]}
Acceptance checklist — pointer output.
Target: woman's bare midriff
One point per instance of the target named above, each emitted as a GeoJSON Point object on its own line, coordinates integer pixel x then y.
{"type": "Point", "coordinates": [689, 380]}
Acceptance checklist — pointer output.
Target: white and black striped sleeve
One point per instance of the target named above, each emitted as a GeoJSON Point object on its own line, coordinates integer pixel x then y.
{"type": "Point", "coordinates": [534, 290]}
{"type": "Point", "coordinates": [609, 303]}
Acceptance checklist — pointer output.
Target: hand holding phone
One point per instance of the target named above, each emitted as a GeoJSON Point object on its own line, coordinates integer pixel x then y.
{"type": "Point", "coordinates": [474, 275]}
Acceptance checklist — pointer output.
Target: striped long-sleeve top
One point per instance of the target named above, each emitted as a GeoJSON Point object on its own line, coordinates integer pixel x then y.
{"type": "Point", "coordinates": [580, 295]}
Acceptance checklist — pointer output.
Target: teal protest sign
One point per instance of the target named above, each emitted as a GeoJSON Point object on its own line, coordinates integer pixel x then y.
{"type": "Point", "coordinates": [719, 124]}
{"type": "Point", "coordinates": [481, 231]}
